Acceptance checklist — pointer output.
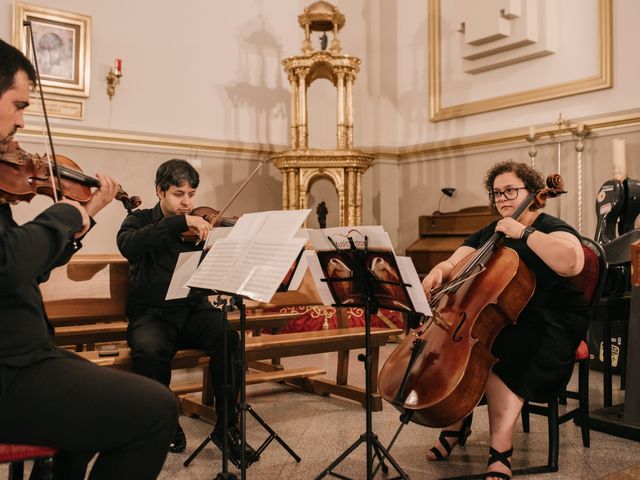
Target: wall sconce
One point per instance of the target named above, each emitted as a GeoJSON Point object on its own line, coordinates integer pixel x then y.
{"type": "Point", "coordinates": [113, 78]}
{"type": "Point", "coordinates": [446, 192]}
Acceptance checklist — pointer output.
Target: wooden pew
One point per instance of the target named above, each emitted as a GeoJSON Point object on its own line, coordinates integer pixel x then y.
{"type": "Point", "coordinates": [282, 345]}
{"type": "Point", "coordinates": [85, 301]}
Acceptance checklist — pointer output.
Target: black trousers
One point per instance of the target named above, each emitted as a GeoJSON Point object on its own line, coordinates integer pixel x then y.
{"type": "Point", "coordinates": [156, 334]}
{"type": "Point", "coordinates": [82, 409]}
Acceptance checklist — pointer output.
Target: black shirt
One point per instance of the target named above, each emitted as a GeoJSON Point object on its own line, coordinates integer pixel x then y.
{"type": "Point", "coordinates": [151, 242]}
{"type": "Point", "coordinates": [28, 253]}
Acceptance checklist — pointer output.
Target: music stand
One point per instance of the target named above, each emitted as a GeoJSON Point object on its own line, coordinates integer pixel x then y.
{"type": "Point", "coordinates": [237, 301]}
{"type": "Point", "coordinates": [226, 391]}
{"type": "Point", "coordinates": [363, 281]}
{"type": "Point", "coordinates": [251, 261]}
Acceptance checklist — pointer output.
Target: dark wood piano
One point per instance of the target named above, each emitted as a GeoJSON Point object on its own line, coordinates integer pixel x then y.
{"type": "Point", "coordinates": [442, 233]}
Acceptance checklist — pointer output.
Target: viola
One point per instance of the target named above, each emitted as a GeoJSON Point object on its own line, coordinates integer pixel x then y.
{"type": "Point", "coordinates": [212, 216]}
{"type": "Point", "coordinates": [438, 374]}
{"type": "Point", "coordinates": [23, 176]}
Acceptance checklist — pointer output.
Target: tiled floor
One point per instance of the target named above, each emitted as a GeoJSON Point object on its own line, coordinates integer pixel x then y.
{"type": "Point", "coordinates": [320, 428]}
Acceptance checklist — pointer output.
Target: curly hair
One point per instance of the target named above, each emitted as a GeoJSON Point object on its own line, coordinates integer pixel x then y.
{"type": "Point", "coordinates": [533, 180]}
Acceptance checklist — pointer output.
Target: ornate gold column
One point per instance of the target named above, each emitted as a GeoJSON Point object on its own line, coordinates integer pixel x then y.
{"type": "Point", "coordinates": [302, 166]}
{"type": "Point", "coordinates": [303, 135]}
{"type": "Point", "coordinates": [349, 111]}
{"type": "Point", "coordinates": [341, 133]}
{"type": "Point", "coordinates": [294, 111]}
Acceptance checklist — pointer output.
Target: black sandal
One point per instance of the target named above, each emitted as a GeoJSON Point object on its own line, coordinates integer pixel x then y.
{"type": "Point", "coordinates": [502, 457]}
{"type": "Point", "coordinates": [461, 435]}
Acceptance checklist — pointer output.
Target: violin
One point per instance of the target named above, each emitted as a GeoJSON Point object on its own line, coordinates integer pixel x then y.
{"type": "Point", "coordinates": [438, 374]}
{"type": "Point", "coordinates": [23, 176]}
{"type": "Point", "coordinates": [212, 216]}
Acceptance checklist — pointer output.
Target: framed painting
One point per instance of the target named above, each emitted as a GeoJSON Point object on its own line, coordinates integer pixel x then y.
{"type": "Point", "coordinates": [62, 43]}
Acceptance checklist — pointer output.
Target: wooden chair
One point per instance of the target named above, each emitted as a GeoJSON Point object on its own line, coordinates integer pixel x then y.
{"type": "Point", "coordinates": [591, 280]}
{"type": "Point", "coordinates": [16, 455]}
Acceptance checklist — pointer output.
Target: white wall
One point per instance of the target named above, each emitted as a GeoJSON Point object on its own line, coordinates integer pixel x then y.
{"type": "Point", "coordinates": [210, 73]}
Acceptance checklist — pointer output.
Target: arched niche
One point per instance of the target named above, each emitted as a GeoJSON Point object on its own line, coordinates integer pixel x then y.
{"type": "Point", "coordinates": [322, 189]}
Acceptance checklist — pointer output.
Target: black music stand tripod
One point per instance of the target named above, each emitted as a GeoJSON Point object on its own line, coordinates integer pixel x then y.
{"type": "Point", "coordinates": [363, 281]}
{"type": "Point", "coordinates": [237, 301]}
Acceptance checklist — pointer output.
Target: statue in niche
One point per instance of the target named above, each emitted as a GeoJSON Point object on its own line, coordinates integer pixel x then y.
{"type": "Point", "coordinates": [321, 211]}
{"type": "Point", "coordinates": [324, 41]}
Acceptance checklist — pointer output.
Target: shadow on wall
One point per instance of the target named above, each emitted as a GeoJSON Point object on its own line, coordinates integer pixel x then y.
{"type": "Point", "coordinates": [257, 103]}
{"type": "Point", "coordinates": [414, 102]}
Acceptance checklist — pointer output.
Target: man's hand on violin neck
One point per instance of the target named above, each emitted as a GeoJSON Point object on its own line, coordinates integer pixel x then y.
{"type": "Point", "coordinates": [102, 196]}
{"type": "Point", "coordinates": [198, 225]}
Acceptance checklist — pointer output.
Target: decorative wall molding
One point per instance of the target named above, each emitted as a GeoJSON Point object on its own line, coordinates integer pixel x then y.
{"type": "Point", "coordinates": [146, 142]}
{"type": "Point", "coordinates": [601, 80]}
{"type": "Point", "coordinates": [381, 154]}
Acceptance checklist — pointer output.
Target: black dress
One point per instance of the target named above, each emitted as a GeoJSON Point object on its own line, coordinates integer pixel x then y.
{"type": "Point", "coordinates": [536, 355]}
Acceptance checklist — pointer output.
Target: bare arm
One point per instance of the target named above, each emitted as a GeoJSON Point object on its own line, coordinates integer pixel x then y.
{"type": "Point", "coordinates": [561, 251]}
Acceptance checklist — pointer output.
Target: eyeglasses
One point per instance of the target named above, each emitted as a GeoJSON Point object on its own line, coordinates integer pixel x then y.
{"type": "Point", "coordinates": [508, 193]}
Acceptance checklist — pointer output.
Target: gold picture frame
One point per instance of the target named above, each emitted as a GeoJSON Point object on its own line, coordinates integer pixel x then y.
{"type": "Point", "coordinates": [601, 80]}
{"type": "Point", "coordinates": [63, 47]}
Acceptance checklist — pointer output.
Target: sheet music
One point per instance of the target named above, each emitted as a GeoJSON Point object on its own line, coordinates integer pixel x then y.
{"type": "Point", "coordinates": [263, 267]}
{"type": "Point", "coordinates": [416, 292]}
{"type": "Point", "coordinates": [390, 271]}
{"type": "Point", "coordinates": [377, 238]}
{"type": "Point", "coordinates": [276, 224]}
{"type": "Point", "coordinates": [185, 267]}
{"type": "Point", "coordinates": [255, 257]}
{"type": "Point", "coordinates": [301, 269]}
{"type": "Point", "coordinates": [316, 272]}
{"type": "Point", "coordinates": [216, 234]}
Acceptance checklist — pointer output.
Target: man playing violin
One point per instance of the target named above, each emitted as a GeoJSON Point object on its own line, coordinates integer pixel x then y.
{"type": "Point", "coordinates": [151, 240]}
{"type": "Point", "coordinates": [536, 355]}
{"type": "Point", "coordinates": [70, 404]}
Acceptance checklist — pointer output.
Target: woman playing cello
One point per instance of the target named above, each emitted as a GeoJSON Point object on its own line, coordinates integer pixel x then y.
{"type": "Point", "coordinates": [535, 355]}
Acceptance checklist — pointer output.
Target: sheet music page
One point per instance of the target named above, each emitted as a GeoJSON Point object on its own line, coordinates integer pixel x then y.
{"type": "Point", "coordinates": [255, 257]}
{"type": "Point", "coordinates": [416, 292]}
{"type": "Point", "coordinates": [216, 234]}
{"type": "Point", "coordinates": [185, 267]}
{"type": "Point", "coordinates": [316, 272]}
{"type": "Point", "coordinates": [298, 275]}
{"type": "Point", "coordinates": [377, 238]}
{"type": "Point", "coordinates": [273, 224]}
{"type": "Point", "coordinates": [263, 267]}
{"type": "Point", "coordinates": [217, 264]}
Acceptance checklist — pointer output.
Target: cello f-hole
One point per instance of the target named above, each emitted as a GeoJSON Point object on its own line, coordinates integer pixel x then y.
{"type": "Point", "coordinates": [454, 337]}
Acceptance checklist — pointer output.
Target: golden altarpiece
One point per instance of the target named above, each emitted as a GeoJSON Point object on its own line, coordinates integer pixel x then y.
{"type": "Point", "coordinates": [343, 166]}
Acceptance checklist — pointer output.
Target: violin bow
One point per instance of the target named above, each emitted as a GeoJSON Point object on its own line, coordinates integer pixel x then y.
{"type": "Point", "coordinates": [27, 24]}
{"type": "Point", "coordinates": [237, 192]}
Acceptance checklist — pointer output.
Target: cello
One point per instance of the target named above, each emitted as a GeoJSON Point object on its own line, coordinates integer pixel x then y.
{"type": "Point", "coordinates": [438, 374]}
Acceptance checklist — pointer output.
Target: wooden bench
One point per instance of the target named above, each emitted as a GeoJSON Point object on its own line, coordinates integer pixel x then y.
{"type": "Point", "coordinates": [267, 346]}
{"type": "Point", "coordinates": [85, 336]}
{"type": "Point", "coordinates": [85, 301]}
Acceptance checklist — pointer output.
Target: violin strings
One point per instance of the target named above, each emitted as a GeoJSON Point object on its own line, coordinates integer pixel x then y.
{"type": "Point", "coordinates": [478, 258]}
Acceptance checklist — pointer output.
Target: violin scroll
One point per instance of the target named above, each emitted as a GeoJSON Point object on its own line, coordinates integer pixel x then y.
{"type": "Point", "coordinates": [130, 203]}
